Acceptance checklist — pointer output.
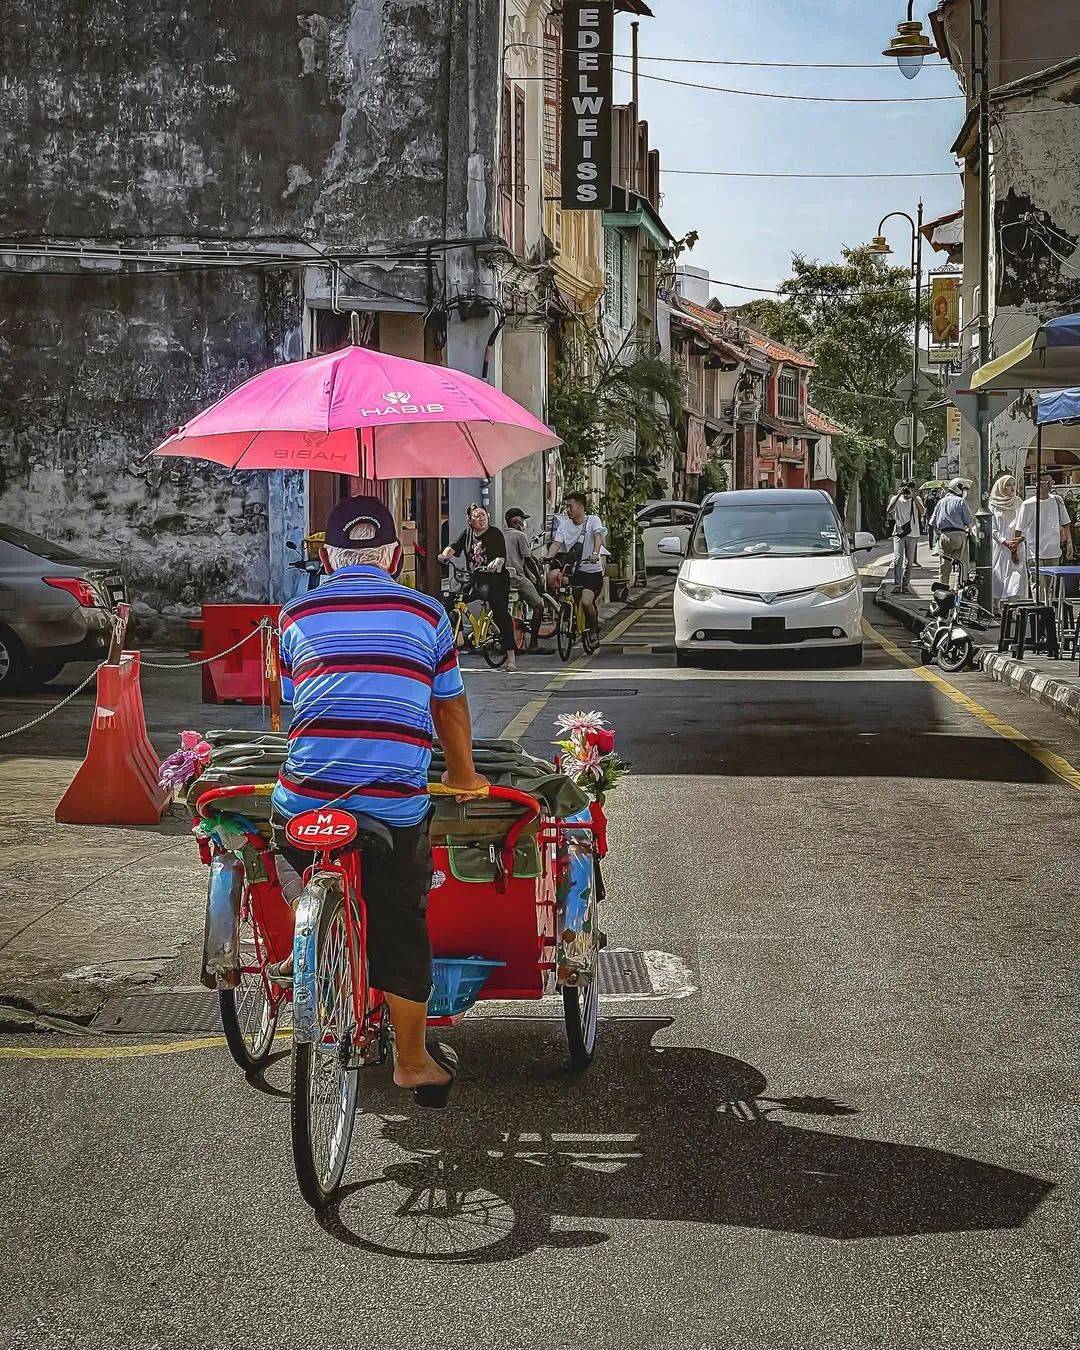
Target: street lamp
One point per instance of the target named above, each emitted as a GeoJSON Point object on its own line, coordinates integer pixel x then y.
{"type": "Point", "coordinates": [910, 46]}
{"type": "Point", "coordinates": [880, 246]}
{"type": "Point", "coordinates": [906, 45]}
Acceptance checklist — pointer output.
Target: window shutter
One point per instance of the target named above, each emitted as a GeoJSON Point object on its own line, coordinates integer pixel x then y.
{"type": "Point", "coordinates": [552, 94]}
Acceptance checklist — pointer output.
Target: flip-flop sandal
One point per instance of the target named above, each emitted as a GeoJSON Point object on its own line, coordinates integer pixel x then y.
{"type": "Point", "coordinates": [437, 1095]}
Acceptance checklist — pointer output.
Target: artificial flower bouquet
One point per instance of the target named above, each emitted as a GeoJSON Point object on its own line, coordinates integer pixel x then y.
{"type": "Point", "coordinates": [587, 752]}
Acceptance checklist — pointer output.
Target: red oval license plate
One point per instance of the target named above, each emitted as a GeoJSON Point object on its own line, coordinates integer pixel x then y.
{"type": "Point", "coordinates": [321, 829]}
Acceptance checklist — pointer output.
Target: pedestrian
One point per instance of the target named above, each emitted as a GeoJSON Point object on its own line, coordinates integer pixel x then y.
{"type": "Point", "coordinates": [954, 523]}
{"type": "Point", "coordinates": [1055, 534]}
{"type": "Point", "coordinates": [906, 512]}
{"type": "Point", "coordinates": [484, 549]}
{"type": "Point", "coordinates": [578, 547]}
{"type": "Point", "coordinates": [525, 572]}
{"type": "Point", "coordinates": [1008, 541]}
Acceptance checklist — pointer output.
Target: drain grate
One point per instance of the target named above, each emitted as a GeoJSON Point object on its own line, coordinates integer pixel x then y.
{"type": "Point", "coordinates": [190, 1008]}
{"type": "Point", "coordinates": [624, 973]}
{"type": "Point", "coordinates": [193, 1009]}
{"type": "Point", "coordinates": [594, 691]}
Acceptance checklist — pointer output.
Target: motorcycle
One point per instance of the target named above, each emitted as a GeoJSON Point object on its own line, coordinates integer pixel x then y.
{"type": "Point", "coordinates": [944, 637]}
{"type": "Point", "coordinates": [311, 566]}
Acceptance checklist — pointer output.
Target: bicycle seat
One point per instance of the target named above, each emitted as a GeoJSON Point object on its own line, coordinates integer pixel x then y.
{"type": "Point", "coordinates": [372, 834]}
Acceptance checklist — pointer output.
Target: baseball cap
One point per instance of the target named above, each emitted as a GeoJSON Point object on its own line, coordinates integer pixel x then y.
{"type": "Point", "coordinates": [515, 511]}
{"type": "Point", "coordinates": [353, 511]}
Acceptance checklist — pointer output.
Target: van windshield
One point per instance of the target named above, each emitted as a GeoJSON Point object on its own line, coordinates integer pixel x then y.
{"type": "Point", "coordinates": [788, 529]}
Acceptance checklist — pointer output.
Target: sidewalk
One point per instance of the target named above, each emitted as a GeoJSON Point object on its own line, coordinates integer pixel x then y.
{"type": "Point", "coordinates": [1055, 683]}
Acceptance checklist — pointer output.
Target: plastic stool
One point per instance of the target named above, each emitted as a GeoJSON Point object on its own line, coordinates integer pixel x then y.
{"type": "Point", "coordinates": [1027, 623]}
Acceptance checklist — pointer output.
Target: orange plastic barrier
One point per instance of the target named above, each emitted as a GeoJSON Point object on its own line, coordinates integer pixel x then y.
{"type": "Point", "coordinates": [240, 676]}
{"type": "Point", "coordinates": [117, 782]}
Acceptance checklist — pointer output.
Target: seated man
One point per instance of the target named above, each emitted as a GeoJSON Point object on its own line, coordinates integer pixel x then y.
{"type": "Point", "coordinates": [373, 671]}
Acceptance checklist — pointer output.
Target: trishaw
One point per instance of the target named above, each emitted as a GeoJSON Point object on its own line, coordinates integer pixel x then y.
{"type": "Point", "coordinates": [512, 915]}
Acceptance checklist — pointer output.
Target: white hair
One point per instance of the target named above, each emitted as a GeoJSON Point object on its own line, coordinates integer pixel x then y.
{"type": "Point", "coordinates": [383, 556]}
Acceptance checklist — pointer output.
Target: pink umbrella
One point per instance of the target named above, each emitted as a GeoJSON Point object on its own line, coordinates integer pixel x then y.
{"type": "Point", "coordinates": [362, 413]}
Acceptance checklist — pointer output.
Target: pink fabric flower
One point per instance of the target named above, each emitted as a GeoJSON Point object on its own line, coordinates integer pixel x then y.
{"type": "Point", "coordinates": [578, 723]}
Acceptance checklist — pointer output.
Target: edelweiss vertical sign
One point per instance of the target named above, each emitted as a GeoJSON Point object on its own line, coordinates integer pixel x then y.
{"type": "Point", "coordinates": [588, 34]}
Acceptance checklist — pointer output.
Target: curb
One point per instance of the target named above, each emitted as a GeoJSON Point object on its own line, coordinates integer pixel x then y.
{"type": "Point", "coordinates": [1063, 698]}
{"type": "Point", "coordinates": [908, 617]}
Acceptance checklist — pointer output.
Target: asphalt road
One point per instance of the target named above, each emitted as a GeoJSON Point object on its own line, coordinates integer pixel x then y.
{"type": "Point", "coordinates": [859, 1128]}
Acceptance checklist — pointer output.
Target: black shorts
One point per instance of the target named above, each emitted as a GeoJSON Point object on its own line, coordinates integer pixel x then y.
{"type": "Point", "coordinates": [396, 889]}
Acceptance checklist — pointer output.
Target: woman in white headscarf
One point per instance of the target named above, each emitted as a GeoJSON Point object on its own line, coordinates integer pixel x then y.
{"type": "Point", "coordinates": [1008, 543]}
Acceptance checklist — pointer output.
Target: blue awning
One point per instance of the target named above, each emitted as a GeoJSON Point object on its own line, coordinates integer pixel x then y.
{"type": "Point", "coordinates": [1059, 405]}
{"type": "Point", "coordinates": [1062, 332]}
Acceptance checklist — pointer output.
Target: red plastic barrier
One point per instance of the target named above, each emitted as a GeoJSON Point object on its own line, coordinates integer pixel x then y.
{"type": "Point", "coordinates": [238, 677]}
{"type": "Point", "coordinates": [117, 782]}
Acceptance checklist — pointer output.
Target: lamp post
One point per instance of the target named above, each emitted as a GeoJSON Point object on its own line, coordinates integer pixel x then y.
{"type": "Point", "coordinates": [880, 246]}
{"type": "Point", "coordinates": [909, 46]}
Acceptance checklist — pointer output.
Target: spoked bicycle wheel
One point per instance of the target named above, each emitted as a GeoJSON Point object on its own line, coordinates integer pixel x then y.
{"type": "Point", "coordinates": [564, 635]}
{"type": "Point", "coordinates": [325, 1071]}
{"type": "Point", "coordinates": [581, 1002]}
{"type": "Point", "coordinates": [248, 1014]}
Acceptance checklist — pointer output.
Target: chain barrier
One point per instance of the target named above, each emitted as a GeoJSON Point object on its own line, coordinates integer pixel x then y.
{"type": "Point", "coordinates": [55, 707]}
{"type": "Point", "coordinates": [262, 627]}
{"type": "Point", "coordinates": [257, 631]}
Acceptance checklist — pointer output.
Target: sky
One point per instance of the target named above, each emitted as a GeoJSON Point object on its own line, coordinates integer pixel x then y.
{"type": "Point", "coordinates": [750, 227]}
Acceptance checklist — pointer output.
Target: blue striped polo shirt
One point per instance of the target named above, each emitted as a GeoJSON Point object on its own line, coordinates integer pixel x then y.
{"type": "Point", "coordinates": [362, 657]}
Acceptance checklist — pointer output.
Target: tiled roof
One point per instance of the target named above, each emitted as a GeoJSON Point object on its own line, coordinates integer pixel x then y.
{"type": "Point", "coordinates": [817, 421]}
{"type": "Point", "coordinates": [708, 323]}
{"type": "Point", "coordinates": [775, 351]}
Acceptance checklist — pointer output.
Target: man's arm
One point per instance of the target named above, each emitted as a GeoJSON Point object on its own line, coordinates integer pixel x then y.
{"type": "Point", "coordinates": [453, 726]}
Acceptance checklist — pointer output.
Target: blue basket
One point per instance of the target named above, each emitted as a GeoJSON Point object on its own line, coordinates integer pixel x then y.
{"type": "Point", "coordinates": [456, 983]}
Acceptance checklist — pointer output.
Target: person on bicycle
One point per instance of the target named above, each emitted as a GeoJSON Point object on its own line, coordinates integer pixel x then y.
{"type": "Point", "coordinates": [484, 550]}
{"type": "Point", "coordinates": [371, 670]}
{"type": "Point", "coordinates": [577, 551]}
{"type": "Point", "coordinates": [525, 571]}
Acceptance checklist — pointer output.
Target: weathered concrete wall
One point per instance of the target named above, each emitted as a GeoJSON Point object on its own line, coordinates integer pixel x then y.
{"type": "Point", "coordinates": [260, 118]}
{"type": "Point", "coordinates": [94, 371]}
{"type": "Point", "coordinates": [342, 122]}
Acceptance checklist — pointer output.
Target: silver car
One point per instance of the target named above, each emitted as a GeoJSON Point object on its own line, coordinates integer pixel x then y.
{"type": "Point", "coordinates": [55, 607]}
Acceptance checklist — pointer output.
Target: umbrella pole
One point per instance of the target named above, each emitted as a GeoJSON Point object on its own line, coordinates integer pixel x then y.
{"type": "Point", "coordinates": [1038, 476]}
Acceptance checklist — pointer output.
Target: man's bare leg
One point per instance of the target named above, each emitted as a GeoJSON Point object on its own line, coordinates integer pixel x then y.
{"type": "Point", "coordinates": [413, 1066]}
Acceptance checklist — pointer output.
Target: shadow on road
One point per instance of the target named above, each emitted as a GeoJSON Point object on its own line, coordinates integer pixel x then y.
{"type": "Point", "coordinates": [662, 1133]}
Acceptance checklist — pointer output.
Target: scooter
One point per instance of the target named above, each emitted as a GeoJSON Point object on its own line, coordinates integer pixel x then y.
{"type": "Point", "coordinates": [311, 567]}
{"type": "Point", "coordinates": [944, 638]}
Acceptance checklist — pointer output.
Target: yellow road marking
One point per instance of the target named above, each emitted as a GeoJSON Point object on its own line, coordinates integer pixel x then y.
{"type": "Point", "coordinates": [532, 710]}
{"type": "Point", "coordinates": [110, 1051]}
{"type": "Point", "coordinates": [1047, 758]}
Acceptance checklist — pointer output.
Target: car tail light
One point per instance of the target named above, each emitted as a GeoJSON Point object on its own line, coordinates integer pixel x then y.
{"type": "Point", "coordinates": [76, 586]}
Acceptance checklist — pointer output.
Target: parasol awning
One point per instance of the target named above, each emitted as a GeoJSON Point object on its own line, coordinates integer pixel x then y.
{"type": "Point", "coordinates": [1048, 359]}
{"type": "Point", "coordinates": [1058, 405]}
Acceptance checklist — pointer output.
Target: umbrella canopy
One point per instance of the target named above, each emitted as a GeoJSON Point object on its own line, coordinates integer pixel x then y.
{"type": "Point", "coordinates": [1058, 405]}
{"type": "Point", "coordinates": [1048, 359]}
{"type": "Point", "coordinates": [365, 414]}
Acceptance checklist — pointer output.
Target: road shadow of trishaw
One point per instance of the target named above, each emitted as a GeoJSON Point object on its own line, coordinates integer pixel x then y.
{"type": "Point", "coordinates": [650, 1132]}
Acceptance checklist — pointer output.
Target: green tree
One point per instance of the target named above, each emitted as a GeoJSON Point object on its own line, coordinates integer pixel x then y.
{"type": "Point", "coordinates": [856, 319]}
{"type": "Point", "coordinates": [619, 408]}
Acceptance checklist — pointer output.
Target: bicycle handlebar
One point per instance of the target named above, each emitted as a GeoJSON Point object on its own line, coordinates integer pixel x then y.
{"type": "Point", "coordinates": [530, 810]}
{"type": "Point", "coordinates": [211, 795]}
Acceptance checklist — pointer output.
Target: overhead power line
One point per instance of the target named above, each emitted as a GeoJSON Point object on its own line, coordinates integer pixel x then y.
{"type": "Point", "coordinates": [796, 98]}
{"type": "Point", "coordinates": [739, 173]}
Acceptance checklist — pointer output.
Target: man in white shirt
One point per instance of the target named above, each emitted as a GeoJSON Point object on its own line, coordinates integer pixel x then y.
{"type": "Point", "coordinates": [578, 546]}
{"type": "Point", "coordinates": [906, 511]}
{"type": "Point", "coordinates": [1055, 533]}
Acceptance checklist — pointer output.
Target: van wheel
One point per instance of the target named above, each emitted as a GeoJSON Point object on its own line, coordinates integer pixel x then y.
{"type": "Point", "coordinates": [15, 668]}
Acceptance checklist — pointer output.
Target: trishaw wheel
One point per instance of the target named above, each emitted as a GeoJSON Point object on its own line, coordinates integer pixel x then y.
{"type": "Point", "coordinates": [248, 1015]}
{"type": "Point", "coordinates": [565, 634]}
{"type": "Point", "coordinates": [325, 1072]}
{"type": "Point", "coordinates": [581, 1005]}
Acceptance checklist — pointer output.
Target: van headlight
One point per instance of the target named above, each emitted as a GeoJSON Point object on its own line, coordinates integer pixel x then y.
{"type": "Point", "coordinates": [696, 592]}
{"type": "Point", "coordinates": [833, 590]}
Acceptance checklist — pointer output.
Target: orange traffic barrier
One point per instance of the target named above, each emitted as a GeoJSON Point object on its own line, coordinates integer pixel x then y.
{"type": "Point", "coordinates": [238, 675]}
{"type": "Point", "coordinates": [117, 782]}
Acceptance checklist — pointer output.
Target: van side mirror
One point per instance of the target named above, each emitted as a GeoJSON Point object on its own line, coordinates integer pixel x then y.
{"type": "Point", "coordinates": [671, 543]}
{"type": "Point", "coordinates": [862, 540]}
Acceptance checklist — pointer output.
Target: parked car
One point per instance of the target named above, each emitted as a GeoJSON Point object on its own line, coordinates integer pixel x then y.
{"type": "Point", "coordinates": [659, 520]}
{"type": "Point", "coordinates": [54, 608]}
{"type": "Point", "coordinates": [768, 569]}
